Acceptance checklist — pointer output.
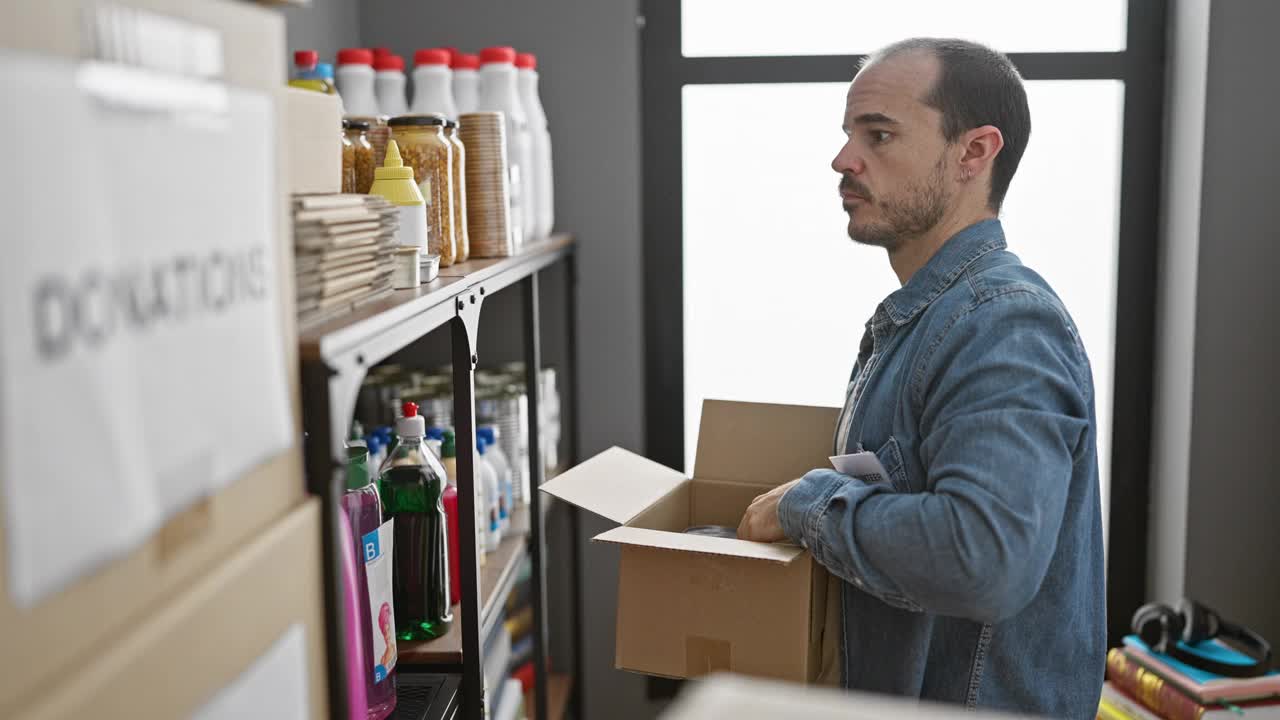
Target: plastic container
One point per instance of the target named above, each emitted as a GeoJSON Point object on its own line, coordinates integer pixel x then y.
{"type": "Point", "coordinates": [487, 477]}
{"type": "Point", "coordinates": [356, 135]}
{"type": "Point", "coordinates": [362, 506]}
{"type": "Point", "coordinates": [433, 84]}
{"type": "Point", "coordinates": [499, 93]}
{"type": "Point", "coordinates": [355, 81]}
{"type": "Point", "coordinates": [498, 459]}
{"type": "Point", "coordinates": [424, 147]}
{"type": "Point", "coordinates": [544, 191]}
{"type": "Point", "coordinates": [305, 75]}
{"type": "Point", "coordinates": [354, 624]}
{"type": "Point", "coordinates": [466, 82]}
{"type": "Point", "coordinates": [413, 485]}
{"type": "Point", "coordinates": [394, 181]}
{"type": "Point", "coordinates": [463, 242]}
{"type": "Point", "coordinates": [389, 84]}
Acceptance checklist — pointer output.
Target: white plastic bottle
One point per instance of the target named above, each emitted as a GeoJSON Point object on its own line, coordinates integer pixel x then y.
{"type": "Point", "coordinates": [433, 84]}
{"type": "Point", "coordinates": [354, 78]}
{"type": "Point", "coordinates": [544, 200]}
{"type": "Point", "coordinates": [389, 84]}
{"type": "Point", "coordinates": [506, 486]}
{"type": "Point", "coordinates": [498, 93]}
{"type": "Point", "coordinates": [466, 81]}
{"type": "Point", "coordinates": [489, 478]}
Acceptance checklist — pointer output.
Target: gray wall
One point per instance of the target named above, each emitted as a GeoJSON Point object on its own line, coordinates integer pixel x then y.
{"type": "Point", "coordinates": [325, 26]}
{"type": "Point", "coordinates": [588, 56]}
{"type": "Point", "coordinates": [1229, 558]}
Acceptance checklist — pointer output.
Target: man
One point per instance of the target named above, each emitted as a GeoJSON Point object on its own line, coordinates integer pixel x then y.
{"type": "Point", "coordinates": [973, 572]}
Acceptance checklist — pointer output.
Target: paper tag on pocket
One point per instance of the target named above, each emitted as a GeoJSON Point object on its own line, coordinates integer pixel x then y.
{"type": "Point", "coordinates": [863, 465]}
{"type": "Point", "coordinates": [377, 546]}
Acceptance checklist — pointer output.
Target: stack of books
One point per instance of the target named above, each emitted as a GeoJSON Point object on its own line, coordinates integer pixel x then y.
{"type": "Point", "coordinates": [1143, 684]}
{"type": "Point", "coordinates": [342, 253]}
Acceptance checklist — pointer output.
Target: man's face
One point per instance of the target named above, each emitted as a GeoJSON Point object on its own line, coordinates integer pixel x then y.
{"type": "Point", "coordinates": [895, 179]}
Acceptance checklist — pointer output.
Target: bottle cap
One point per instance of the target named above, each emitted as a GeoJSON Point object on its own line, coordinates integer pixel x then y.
{"type": "Point", "coordinates": [393, 167]}
{"type": "Point", "coordinates": [306, 58]}
{"type": "Point", "coordinates": [481, 445]}
{"type": "Point", "coordinates": [435, 433]}
{"type": "Point", "coordinates": [465, 61]}
{"type": "Point", "coordinates": [486, 432]}
{"type": "Point", "coordinates": [503, 54]}
{"type": "Point", "coordinates": [527, 61]}
{"type": "Point", "coordinates": [380, 51]}
{"type": "Point", "coordinates": [412, 425]}
{"type": "Point", "coordinates": [355, 56]}
{"type": "Point", "coordinates": [431, 56]}
{"type": "Point", "coordinates": [324, 70]}
{"type": "Point", "coordinates": [388, 62]}
{"type": "Point", "coordinates": [449, 447]}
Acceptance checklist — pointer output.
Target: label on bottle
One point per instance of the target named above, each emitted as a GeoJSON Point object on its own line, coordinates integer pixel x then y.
{"type": "Point", "coordinates": [377, 546]}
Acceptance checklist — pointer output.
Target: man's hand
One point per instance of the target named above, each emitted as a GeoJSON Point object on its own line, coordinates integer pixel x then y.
{"type": "Point", "coordinates": [760, 523]}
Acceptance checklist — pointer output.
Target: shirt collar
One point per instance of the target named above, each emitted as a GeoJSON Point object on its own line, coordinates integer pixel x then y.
{"type": "Point", "coordinates": [957, 254]}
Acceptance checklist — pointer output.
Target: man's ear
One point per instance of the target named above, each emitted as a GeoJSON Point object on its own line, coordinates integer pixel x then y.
{"type": "Point", "coordinates": [979, 149]}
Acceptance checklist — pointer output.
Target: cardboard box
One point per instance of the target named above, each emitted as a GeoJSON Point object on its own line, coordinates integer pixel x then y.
{"type": "Point", "coordinates": [689, 605]}
{"type": "Point", "coordinates": [203, 646]}
{"type": "Point", "coordinates": [62, 634]}
{"type": "Point", "coordinates": [313, 141]}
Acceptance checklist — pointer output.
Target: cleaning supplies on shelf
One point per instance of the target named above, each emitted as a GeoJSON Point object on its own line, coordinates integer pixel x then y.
{"type": "Point", "coordinates": [305, 73]}
{"type": "Point", "coordinates": [487, 479]}
{"type": "Point", "coordinates": [355, 82]}
{"type": "Point", "coordinates": [498, 93]}
{"type": "Point", "coordinates": [542, 202]}
{"type": "Point", "coordinates": [413, 486]}
{"type": "Point", "coordinates": [502, 467]}
{"type": "Point", "coordinates": [433, 84]}
{"type": "Point", "coordinates": [362, 508]}
{"type": "Point", "coordinates": [466, 81]}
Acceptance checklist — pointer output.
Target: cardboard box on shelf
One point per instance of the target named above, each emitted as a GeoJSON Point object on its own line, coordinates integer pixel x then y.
{"type": "Point", "coordinates": [67, 631]}
{"type": "Point", "coordinates": [689, 605]}
{"type": "Point", "coordinates": [313, 141]}
{"type": "Point", "coordinates": [245, 640]}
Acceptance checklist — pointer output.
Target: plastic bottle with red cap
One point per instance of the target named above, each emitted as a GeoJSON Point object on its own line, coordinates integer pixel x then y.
{"type": "Point", "coordinates": [544, 201]}
{"type": "Point", "coordinates": [466, 81]}
{"type": "Point", "coordinates": [413, 488]}
{"type": "Point", "coordinates": [354, 77]}
{"type": "Point", "coordinates": [306, 73]}
{"type": "Point", "coordinates": [498, 93]}
{"type": "Point", "coordinates": [389, 84]}
{"type": "Point", "coordinates": [433, 83]}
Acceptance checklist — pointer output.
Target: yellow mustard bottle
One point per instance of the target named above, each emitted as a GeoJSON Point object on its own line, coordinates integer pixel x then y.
{"type": "Point", "coordinates": [394, 181]}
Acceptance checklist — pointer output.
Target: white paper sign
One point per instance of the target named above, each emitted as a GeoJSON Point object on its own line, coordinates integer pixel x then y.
{"type": "Point", "coordinates": [274, 686]}
{"type": "Point", "coordinates": [141, 354]}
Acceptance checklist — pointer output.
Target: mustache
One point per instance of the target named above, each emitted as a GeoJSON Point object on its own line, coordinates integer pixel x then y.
{"type": "Point", "coordinates": [850, 184]}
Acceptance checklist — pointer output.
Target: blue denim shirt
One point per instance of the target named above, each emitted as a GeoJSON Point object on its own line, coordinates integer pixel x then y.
{"type": "Point", "coordinates": [974, 573]}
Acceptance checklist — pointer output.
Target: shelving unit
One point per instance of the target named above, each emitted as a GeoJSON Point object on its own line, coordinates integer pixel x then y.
{"type": "Point", "coordinates": [336, 357]}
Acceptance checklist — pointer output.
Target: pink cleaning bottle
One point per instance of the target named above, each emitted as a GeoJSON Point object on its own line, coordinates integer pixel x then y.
{"type": "Point", "coordinates": [357, 696]}
{"type": "Point", "coordinates": [363, 510]}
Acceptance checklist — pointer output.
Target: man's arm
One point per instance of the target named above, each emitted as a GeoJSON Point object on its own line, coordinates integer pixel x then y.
{"type": "Point", "coordinates": [1004, 417]}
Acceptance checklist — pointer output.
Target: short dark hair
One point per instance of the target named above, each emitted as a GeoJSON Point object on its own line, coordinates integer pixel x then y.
{"type": "Point", "coordinates": [976, 86]}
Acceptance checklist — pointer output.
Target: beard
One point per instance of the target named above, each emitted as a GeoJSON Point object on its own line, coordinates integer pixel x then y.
{"type": "Point", "coordinates": [905, 215]}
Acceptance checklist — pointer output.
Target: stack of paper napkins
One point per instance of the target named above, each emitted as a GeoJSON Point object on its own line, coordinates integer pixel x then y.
{"type": "Point", "coordinates": [342, 253]}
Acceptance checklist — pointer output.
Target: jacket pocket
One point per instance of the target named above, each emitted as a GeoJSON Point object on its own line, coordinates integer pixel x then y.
{"type": "Point", "coordinates": [890, 456]}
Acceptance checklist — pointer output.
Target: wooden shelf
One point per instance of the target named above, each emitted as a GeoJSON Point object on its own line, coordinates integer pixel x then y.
{"type": "Point", "coordinates": [496, 579]}
{"type": "Point", "coordinates": [558, 688]}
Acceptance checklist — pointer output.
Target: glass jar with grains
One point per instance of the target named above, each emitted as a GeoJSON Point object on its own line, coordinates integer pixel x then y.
{"type": "Point", "coordinates": [459, 192]}
{"type": "Point", "coordinates": [348, 160]}
{"type": "Point", "coordinates": [424, 147]}
{"type": "Point", "coordinates": [356, 132]}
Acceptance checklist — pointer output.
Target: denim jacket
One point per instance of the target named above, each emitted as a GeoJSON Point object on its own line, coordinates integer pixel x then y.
{"type": "Point", "coordinates": [973, 573]}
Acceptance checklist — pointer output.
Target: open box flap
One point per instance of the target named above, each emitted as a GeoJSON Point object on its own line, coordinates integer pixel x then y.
{"type": "Point", "coordinates": [616, 484]}
{"type": "Point", "coordinates": [763, 444]}
{"type": "Point", "coordinates": [729, 547]}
